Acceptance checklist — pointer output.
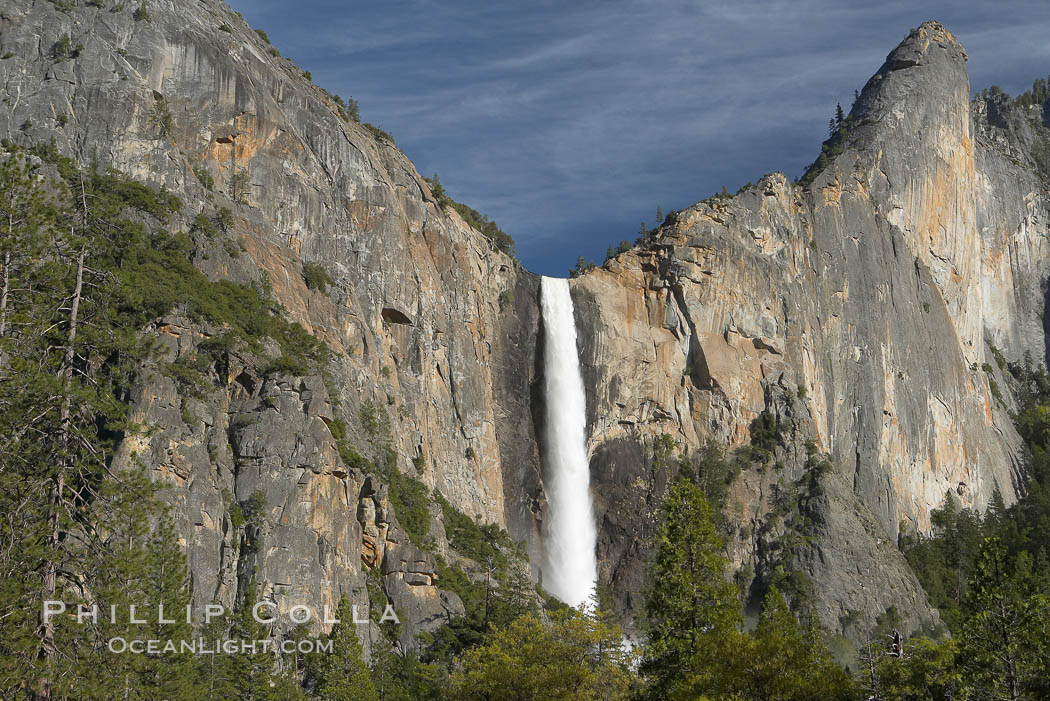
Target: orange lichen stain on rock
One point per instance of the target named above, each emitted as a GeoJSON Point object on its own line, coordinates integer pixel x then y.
{"type": "Point", "coordinates": [283, 267]}
{"type": "Point", "coordinates": [137, 443]}
{"type": "Point", "coordinates": [934, 32]}
{"type": "Point", "coordinates": [833, 192]}
{"type": "Point", "coordinates": [364, 214]}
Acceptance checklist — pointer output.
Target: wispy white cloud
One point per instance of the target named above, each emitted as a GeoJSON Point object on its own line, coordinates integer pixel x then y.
{"type": "Point", "coordinates": [570, 122]}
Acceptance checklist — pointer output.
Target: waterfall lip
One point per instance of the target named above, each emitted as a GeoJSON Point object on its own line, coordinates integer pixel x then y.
{"type": "Point", "coordinates": [569, 566]}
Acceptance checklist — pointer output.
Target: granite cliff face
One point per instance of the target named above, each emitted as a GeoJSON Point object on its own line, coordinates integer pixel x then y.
{"type": "Point", "coordinates": [430, 327]}
{"type": "Point", "coordinates": [857, 310]}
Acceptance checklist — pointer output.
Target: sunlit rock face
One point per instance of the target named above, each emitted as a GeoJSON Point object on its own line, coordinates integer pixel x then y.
{"type": "Point", "coordinates": [432, 330]}
{"type": "Point", "coordinates": [858, 309]}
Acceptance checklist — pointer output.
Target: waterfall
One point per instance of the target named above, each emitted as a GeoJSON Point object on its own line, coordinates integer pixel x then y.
{"type": "Point", "coordinates": [570, 566]}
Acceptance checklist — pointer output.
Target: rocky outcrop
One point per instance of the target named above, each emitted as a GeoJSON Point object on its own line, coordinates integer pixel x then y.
{"type": "Point", "coordinates": [191, 99]}
{"type": "Point", "coordinates": [857, 310]}
{"type": "Point", "coordinates": [430, 327]}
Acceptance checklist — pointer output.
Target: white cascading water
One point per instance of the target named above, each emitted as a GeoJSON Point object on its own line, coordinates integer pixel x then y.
{"type": "Point", "coordinates": [570, 566]}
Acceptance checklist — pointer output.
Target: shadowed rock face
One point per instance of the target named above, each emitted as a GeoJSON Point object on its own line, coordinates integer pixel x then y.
{"type": "Point", "coordinates": [875, 289]}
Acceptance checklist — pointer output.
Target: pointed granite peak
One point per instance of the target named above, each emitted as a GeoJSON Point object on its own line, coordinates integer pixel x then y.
{"type": "Point", "coordinates": [925, 74]}
{"type": "Point", "coordinates": [918, 45]}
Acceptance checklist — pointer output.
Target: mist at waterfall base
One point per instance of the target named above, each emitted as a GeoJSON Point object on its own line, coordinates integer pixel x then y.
{"type": "Point", "coordinates": [569, 568]}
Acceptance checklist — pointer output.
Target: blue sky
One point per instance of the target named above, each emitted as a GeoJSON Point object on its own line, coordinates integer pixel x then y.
{"type": "Point", "coordinates": [570, 122]}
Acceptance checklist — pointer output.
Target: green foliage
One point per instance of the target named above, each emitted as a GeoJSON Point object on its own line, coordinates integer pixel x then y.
{"type": "Point", "coordinates": [1004, 634]}
{"type": "Point", "coordinates": [142, 566]}
{"type": "Point", "coordinates": [142, 14]}
{"type": "Point", "coordinates": [840, 130]}
{"type": "Point", "coordinates": [262, 35]}
{"type": "Point", "coordinates": [317, 277]}
{"type": "Point", "coordinates": [713, 473]}
{"type": "Point", "coordinates": [575, 657]}
{"type": "Point", "coordinates": [410, 499]}
{"type": "Point", "coordinates": [63, 50]}
{"type": "Point", "coordinates": [486, 544]}
{"type": "Point", "coordinates": [695, 647]}
{"type": "Point", "coordinates": [378, 133]}
{"type": "Point", "coordinates": [203, 224]}
{"type": "Point", "coordinates": [496, 593]}
{"type": "Point", "coordinates": [204, 176]}
{"type": "Point", "coordinates": [1002, 648]}
{"type": "Point", "coordinates": [405, 677]}
{"type": "Point", "coordinates": [237, 519]}
{"type": "Point", "coordinates": [622, 248]}
{"type": "Point", "coordinates": [224, 218]}
{"type": "Point", "coordinates": [408, 496]}
{"type": "Point", "coordinates": [583, 266]}
{"type": "Point", "coordinates": [286, 364]}
{"type": "Point", "coordinates": [191, 374]}
{"type": "Point", "coordinates": [76, 528]}
{"type": "Point", "coordinates": [688, 595]}
{"type": "Point", "coordinates": [349, 110]}
{"type": "Point", "coordinates": [372, 419]}
{"type": "Point", "coordinates": [243, 675]}
{"type": "Point", "coordinates": [765, 431]}
{"type": "Point", "coordinates": [999, 359]}
{"type": "Point", "coordinates": [778, 660]}
{"type": "Point", "coordinates": [928, 670]}
{"type": "Point", "coordinates": [499, 239]}
{"type": "Point", "coordinates": [993, 387]}
{"type": "Point", "coordinates": [254, 507]}
{"type": "Point", "coordinates": [240, 186]}
{"type": "Point", "coordinates": [343, 675]}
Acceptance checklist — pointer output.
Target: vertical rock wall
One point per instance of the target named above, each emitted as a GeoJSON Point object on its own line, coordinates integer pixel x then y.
{"type": "Point", "coordinates": [858, 310]}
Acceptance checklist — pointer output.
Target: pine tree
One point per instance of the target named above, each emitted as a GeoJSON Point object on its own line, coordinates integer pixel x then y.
{"type": "Point", "coordinates": [81, 533]}
{"type": "Point", "coordinates": [143, 567]}
{"type": "Point", "coordinates": [575, 657]}
{"type": "Point", "coordinates": [779, 660]}
{"type": "Point", "coordinates": [688, 598]}
{"type": "Point", "coordinates": [437, 190]}
{"type": "Point", "coordinates": [928, 670]}
{"type": "Point", "coordinates": [1005, 647]}
{"type": "Point", "coordinates": [840, 116]}
{"type": "Point", "coordinates": [24, 209]}
{"type": "Point", "coordinates": [342, 675]}
{"type": "Point", "coordinates": [28, 224]}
